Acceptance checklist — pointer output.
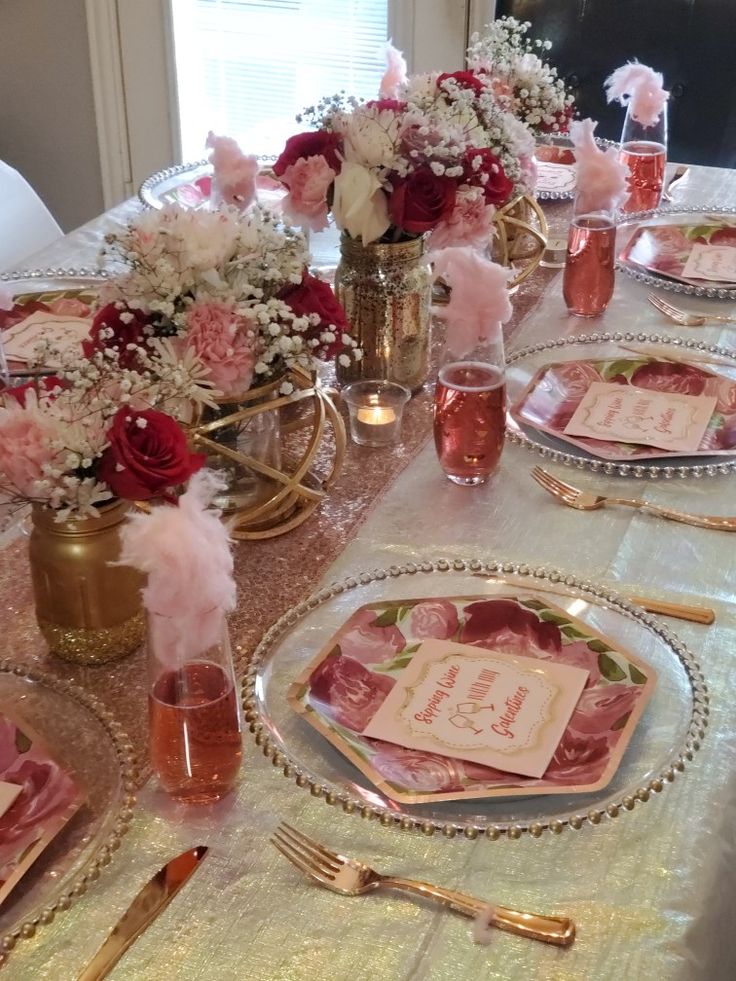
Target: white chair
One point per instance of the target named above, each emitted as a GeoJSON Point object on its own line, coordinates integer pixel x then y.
{"type": "Point", "coordinates": [26, 224]}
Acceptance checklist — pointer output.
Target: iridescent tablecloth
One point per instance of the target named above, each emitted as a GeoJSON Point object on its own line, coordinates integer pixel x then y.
{"type": "Point", "coordinates": [652, 891]}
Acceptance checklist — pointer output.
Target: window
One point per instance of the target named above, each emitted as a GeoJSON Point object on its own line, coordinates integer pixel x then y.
{"type": "Point", "coordinates": [245, 68]}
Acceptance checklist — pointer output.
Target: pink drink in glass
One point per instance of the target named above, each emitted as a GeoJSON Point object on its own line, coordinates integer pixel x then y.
{"type": "Point", "coordinates": [195, 732]}
{"type": "Point", "coordinates": [646, 161]}
{"type": "Point", "coordinates": [587, 282]}
{"type": "Point", "coordinates": [469, 420]}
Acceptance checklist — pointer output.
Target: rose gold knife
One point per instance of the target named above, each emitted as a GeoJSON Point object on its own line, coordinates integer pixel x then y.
{"type": "Point", "coordinates": [153, 897]}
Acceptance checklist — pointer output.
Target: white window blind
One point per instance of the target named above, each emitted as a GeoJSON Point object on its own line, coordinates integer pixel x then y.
{"type": "Point", "coordinates": [245, 68]}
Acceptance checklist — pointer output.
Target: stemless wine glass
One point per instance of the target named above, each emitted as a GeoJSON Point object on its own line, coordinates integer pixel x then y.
{"type": "Point", "coordinates": [644, 151]}
{"type": "Point", "coordinates": [587, 282]}
{"type": "Point", "coordinates": [194, 719]}
{"type": "Point", "coordinates": [470, 411]}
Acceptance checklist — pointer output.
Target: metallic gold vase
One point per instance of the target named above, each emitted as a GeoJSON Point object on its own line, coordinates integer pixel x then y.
{"type": "Point", "coordinates": [386, 291]}
{"type": "Point", "coordinates": [88, 611]}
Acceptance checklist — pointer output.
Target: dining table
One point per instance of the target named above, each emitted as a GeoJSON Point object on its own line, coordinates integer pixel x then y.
{"type": "Point", "coordinates": [651, 887]}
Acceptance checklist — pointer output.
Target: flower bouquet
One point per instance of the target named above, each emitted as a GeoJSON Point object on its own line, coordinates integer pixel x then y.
{"type": "Point", "coordinates": [78, 446]}
{"type": "Point", "coordinates": [523, 82]}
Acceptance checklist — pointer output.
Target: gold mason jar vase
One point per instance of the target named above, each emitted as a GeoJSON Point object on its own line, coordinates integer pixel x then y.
{"type": "Point", "coordinates": [88, 610]}
{"type": "Point", "coordinates": [386, 290]}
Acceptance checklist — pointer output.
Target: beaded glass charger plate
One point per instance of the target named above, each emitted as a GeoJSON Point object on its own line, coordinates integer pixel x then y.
{"type": "Point", "coordinates": [87, 743]}
{"type": "Point", "coordinates": [555, 159]}
{"type": "Point", "coordinates": [558, 374]}
{"type": "Point", "coordinates": [653, 247]}
{"type": "Point", "coordinates": [190, 186]}
{"type": "Point", "coordinates": [666, 737]}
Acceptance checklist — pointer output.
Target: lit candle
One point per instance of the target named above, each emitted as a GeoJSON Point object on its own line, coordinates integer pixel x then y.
{"type": "Point", "coordinates": [376, 415]}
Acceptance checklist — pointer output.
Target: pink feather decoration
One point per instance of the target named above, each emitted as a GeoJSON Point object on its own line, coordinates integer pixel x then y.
{"type": "Point", "coordinates": [234, 177]}
{"type": "Point", "coordinates": [185, 552]}
{"type": "Point", "coordinates": [640, 87]}
{"type": "Point", "coordinates": [395, 75]}
{"type": "Point", "coordinates": [479, 299]}
{"type": "Point", "coordinates": [601, 177]}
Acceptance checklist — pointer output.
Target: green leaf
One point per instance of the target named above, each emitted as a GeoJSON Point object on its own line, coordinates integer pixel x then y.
{"type": "Point", "coordinates": [22, 742]}
{"type": "Point", "coordinates": [609, 668]}
{"type": "Point", "coordinates": [572, 632]}
{"type": "Point", "coordinates": [533, 604]}
{"type": "Point", "coordinates": [623, 367]}
{"type": "Point", "coordinates": [550, 617]}
{"type": "Point", "coordinates": [388, 618]}
{"type": "Point", "coordinates": [403, 610]}
{"type": "Point", "coordinates": [395, 665]}
{"type": "Point", "coordinates": [598, 646]}
{"type": "Point", "coordinates": [620, 723]}
{"type": "Point", "coordinates": [636, 675]}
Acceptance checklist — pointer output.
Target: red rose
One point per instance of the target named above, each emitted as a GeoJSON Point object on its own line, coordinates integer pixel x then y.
{"type": "Point", "coordinates": [312, 144]}
{"type": "Point", "coordinates": [42, 386]}
{"type": "Point", "coordinates": [313, 295]}
{"type": "Point", "coordinates": [148, 453]}
{"type": "Point", "coordinates": [413, 769]}
{"type": "Point", "coordinates": [395, 105]}
{"type": "Point", "coordinates": [348, 692]}
{"type": "Point", "coordinates": [128, 328]}
{"type": "Point", "coordinates": [421, 201]}
{"type": "Point", "coordinates": [562, 119]}
{"type": "Point", "coordinates": [579, 759]}
{"type": "Point", "coordinates": [505, 626]}
{"type": "Point", "coordinates": [466, 80]}
{"type": "Point", "coordinates": [484, 169]}
{"type": "Point", "coordinates": [668, 376]}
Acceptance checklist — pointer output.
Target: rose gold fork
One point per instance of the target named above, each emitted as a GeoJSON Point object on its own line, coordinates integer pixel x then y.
{"type": "Point", "coordinates": [352, 878]}
{"type": "Point", "coordinates": [574, 497]}
{"type": "Point", "coordinates": [686, 318]}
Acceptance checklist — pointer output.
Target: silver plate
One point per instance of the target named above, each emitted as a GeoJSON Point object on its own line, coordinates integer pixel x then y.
{"type": "Point", "coordinates": [521, 366]}
{"type": "Point", "coordinates": [666, 738]}
{"type": "Point", "coordinates": [156, 190]}
{"type": "Point", "coordinates": [564, 142]}
{"type": "Point", "coordinates": [664, 216]}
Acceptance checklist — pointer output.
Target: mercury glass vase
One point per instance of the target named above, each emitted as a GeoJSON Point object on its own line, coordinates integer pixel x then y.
{"type": "Point", "coordinates": [386, 290]}
{"type": "Point", "coordinates": [88, 609]}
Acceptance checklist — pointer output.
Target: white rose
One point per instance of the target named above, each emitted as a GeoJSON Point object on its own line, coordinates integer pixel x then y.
{"type": "Point", "coordinates": [360, 206]}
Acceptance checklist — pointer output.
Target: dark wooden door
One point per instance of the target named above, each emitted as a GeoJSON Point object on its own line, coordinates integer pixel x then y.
{"type": "Point", "coordinates": [692, 42]}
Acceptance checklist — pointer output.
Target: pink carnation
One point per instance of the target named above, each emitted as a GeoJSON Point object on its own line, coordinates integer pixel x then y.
{"type": "Point", "coordinates": [308, 180]}
{"type": "Point", "coordinates": [470, 222]}
{"type": "Point", "coordinates": [234, 178]}
{"type": "Point", "coordinates": [225, 343]}
{"type": "Point", "coordinates": [25, 446]}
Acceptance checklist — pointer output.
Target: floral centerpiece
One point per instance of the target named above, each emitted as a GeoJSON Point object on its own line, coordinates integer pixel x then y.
{"type": "Point", "coordinates": [523, 82]}
{"type": "Point", "coordinates": [79, 446]}
{"type": "Point", "coordinates": [439, 155]}
{"type": "Point", "coordinates": [229, 289]}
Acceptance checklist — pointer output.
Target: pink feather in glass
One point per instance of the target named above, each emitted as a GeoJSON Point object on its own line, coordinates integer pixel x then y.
{"type": "Point", "coordinates": [640, 87]}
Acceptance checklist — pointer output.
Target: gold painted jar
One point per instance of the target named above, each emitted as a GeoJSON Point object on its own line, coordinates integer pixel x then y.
{"type": "Point", "coordinates": [88, 610]}
{"type": "Point", "coordinates": [385, 290]}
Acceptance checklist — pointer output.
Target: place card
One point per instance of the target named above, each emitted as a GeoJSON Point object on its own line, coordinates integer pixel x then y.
{"type": "Point", "coordinates": [627, 414]}
{"type": "Point", "coordinates": [62, 332]}
{"type": "Point", "coordinates": [711, 262]}
{"type": "Point", "coordinates": [480, 705]}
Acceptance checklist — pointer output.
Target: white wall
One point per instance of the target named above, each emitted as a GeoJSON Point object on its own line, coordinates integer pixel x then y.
{"type": "Point", "coordinates": [47, 118]}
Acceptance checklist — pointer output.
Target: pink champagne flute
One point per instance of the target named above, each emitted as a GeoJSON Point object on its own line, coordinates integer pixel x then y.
{"type": "Point", "coordinates": [470, 413]}
{"type": "Point", "coordinates": [588, 279]}
{"type": "Point", "coordinates": [644, 151]}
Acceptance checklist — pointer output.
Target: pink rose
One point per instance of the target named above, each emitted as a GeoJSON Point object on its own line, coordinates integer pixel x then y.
{"type": "Point", "coordinates": [347, 692]}
{"type": "Point", "coordinates": [579, 759]}
{"type": "Point", "coordinates": [25, 446]}
{"type": "Point", "coordinates": [46, 791]}
{"type": "Point", "coordinates": [433, 618]}
{"type": "Point", "coordinates": [669, 376]}
{"type": "Point", "coordinates": [725, 392]}
{"type": "Point", "coordinates": [367, 643]}
{"type": "Point", "coordinates": [225, 342]}
{"type": "Point", "coordinates": [579, 655]}
{"type": "Point", "coordinates": [470, 222]}
{"type": "Point", "coordinates": [503, 625]}
{"type": "Point", "coordinates": [571, 380]}
{"type": "Point", "coordinates": [600, 708]}
{"type": "Point", "coordinates": [308, 179]}
{"type": "Point", "coordinates": [414, 770]}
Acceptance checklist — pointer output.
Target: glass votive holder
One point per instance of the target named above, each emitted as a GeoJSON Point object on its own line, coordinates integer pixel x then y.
{"type": "Point", "coordinates": [376, 409]}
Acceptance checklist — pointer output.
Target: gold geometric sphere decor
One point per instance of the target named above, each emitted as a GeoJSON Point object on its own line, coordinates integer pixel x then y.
{"type": "Point", "coordinates": [294, 478]}
{"type": "Point", "coordinates": [521, 237]}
